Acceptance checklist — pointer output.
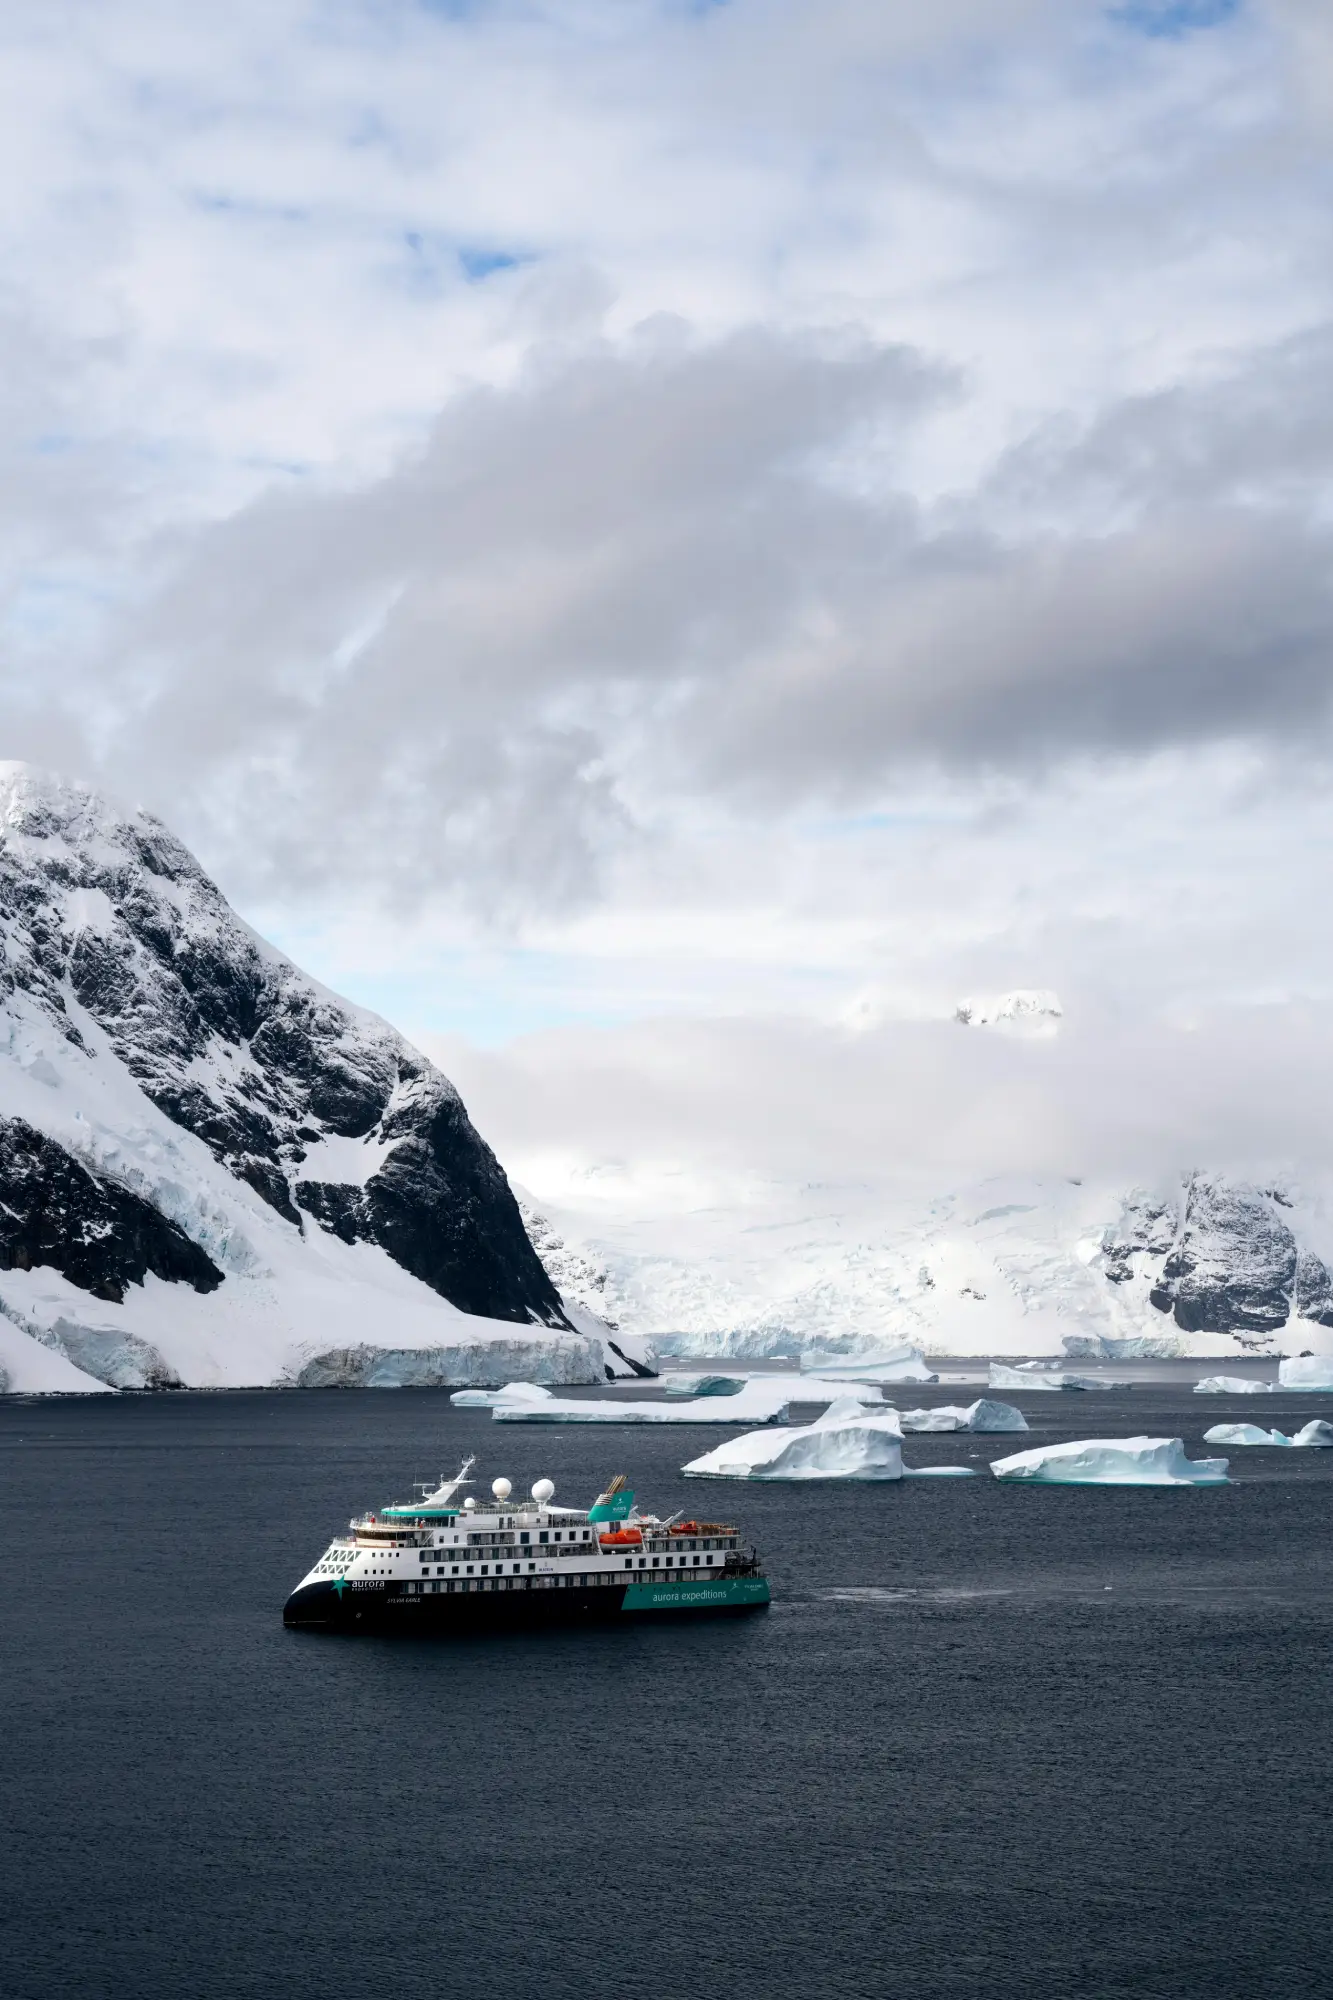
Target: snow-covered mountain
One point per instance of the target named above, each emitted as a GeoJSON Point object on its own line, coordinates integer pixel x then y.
{"type": "Point", "coordinates": [1206, 1264]}
{"type": "Point", "coordinates": [212, 1170]}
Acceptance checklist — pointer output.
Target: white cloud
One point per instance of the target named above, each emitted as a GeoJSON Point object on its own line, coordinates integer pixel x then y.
{"type": "Point", "coordinates": [791, 509]}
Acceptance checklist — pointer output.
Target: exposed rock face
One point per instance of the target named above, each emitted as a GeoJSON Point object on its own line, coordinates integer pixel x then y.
{"type": "Point", "coordinates": [1314, 1289]}
{"type": "Point", "coordinates": [111, 931]}
{"type": "Point", "coordinates": [101, 1237]}
{"type": "Point", "coordinates": [1147, 1226]}
{"type": "Point", "coordinates": [1233, 1269]}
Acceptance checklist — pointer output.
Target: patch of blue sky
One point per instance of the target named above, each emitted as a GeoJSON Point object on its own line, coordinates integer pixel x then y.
{"type": "Point", "coordinates": [1170, 20]}
{"type": "Point", "coordinates": [435, 262]}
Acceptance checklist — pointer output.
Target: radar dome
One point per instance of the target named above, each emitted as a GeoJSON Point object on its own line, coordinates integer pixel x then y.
{"type": "Point", "coordinates": [543, 1490]}
{"type": "Point", "coordinates": [501, 1488]}
{"type": "Point", "coordinates": [469, 1503]}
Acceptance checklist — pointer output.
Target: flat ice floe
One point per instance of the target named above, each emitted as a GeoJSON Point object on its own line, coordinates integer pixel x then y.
{"type": "Point", "coordinates": [1233, 1385]}
{"type": "Point", "coordinates": [1040, 1376]}
{"type": "Point", "coordinates": [761, 1401]}
{"type": "Point", "coordinates": [489, 1399]}
{"type": "Point", "coordinates": [983, 1415]}
{"type": "Point", "coordinates": [898, 1364]}
{"type": "Point", "coordinates": [1306, 1371]}
{"type": "Point", "coordinates": [1136, 1461]}
{"type": "Point", "coordinates": [845, 1443]}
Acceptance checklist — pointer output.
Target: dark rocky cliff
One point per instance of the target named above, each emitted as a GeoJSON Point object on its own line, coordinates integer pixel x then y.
{"type": "Point", "coordinates": [113, 931]}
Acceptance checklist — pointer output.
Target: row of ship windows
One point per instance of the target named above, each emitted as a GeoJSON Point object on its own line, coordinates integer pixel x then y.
{"type": "Point", "coordinates": [517, 1582]}
{"type": "Point", "coordinates": [672, 1562]}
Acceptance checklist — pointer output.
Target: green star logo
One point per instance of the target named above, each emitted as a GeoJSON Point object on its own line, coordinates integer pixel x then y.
{"type": "Point", "coordinates": [339, 1587]}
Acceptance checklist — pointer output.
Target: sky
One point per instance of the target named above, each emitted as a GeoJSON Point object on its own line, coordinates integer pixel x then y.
{"type": "Point", "coordinates": [663, 544]}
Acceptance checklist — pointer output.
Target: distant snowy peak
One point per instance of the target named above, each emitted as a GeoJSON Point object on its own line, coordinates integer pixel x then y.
{"type": "Point", "coordinates": [140, 1017]}
{"type": "Point", "coordinates": [1034, 1011]}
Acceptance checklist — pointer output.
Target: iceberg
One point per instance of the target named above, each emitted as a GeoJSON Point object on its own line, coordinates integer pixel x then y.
{"type": "Point", "coordinates": [1232, 1385]}
{"type": "Point", "coordinates": [1036, 1375]}
{"type": "Point", "coordinates": [899, 1364]}
{"type": "Point", "coordinates": [940, 1472]}
{"type": "Point", "coordinates": [1136, 1461]}
{"type": "Point", "coordinates": [1243, 1434]}
{"type": "Point", "coordinates": [704, 1385]}
{"type": "Point", "coordinates": [1316, 1432]}
{"type": "Point", "coordinates": [982, 1415]}
{"type": "Point", "coordinates": [487, 1399]}
{"type": "Point", "coordinates": [1306, 1371]}
{"type": "Point", "coordinates": [844, 1443]}
{"type": "Point", "coordinates": [759, 1402]}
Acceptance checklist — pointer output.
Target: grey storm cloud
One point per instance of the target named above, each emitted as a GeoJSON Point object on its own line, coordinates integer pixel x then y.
{"type": "Point", "coordinates": [689, 565]}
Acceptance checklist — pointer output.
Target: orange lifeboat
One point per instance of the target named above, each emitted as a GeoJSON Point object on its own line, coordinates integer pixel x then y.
{"type": "Point", "coordinates": [621, 1538]}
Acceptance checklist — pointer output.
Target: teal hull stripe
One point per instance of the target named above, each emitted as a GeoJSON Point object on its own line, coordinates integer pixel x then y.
{"type": "Point", "coordinates": [726, 1592]}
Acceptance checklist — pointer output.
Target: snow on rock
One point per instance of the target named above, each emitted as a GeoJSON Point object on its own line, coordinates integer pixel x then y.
{"type": "Point", "coordinates": [844, 1443]}
{"type": "Point", "coordinates": [1135, 1461]}
{"type": "Point", "coordinates": [1306, 1371]}
{"type": "Point", "coordinates": [900, 1364]}
{"type": "Point", "coordinates": [1316, 1432]}
{"type": "Point", "coordinates": [1243, 1434]}
{"type": "Point", "coordinates": [744, 1267]}
{"type": "Point", "coordinates": [244, 1171]}
{"type": "Point", "coordinates": [1233, 1385]}
{"type": "Point", "coordinates": [758, 1402]}
{"type": "Point", "coordinates": [1233, 1267]}
{"type": "Point", "coordinates": [983, 1415]}
{"type": "Point", "coordinates": [1032, 1011]}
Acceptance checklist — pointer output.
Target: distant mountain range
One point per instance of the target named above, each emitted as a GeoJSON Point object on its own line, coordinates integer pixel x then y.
{"type": "Point", "coordinates": [1206, 1264]}
{"type": "Point", "coordinates": [215, 1172]}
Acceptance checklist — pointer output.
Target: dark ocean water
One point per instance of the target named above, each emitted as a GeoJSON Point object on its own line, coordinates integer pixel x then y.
{"type": "Point", "coordinates": [950, 1761]}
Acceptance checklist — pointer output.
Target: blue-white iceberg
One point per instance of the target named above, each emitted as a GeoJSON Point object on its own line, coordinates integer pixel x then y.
{"type": "Point", "coordinates": [845, 1443]}
{"type": "Point", "coordinates": [1136, 1461]}
{"type": "Point", "coordinates": [1306, 1371]}
{"type": "Point", "coordinates": [898, 1364]}
{"type": "Point", "coordinates": [1233, 1385]}
{"type": "Point", "coordinates": [983, 1415]}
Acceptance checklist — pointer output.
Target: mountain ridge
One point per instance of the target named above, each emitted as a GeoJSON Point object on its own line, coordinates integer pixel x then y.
{"type": "Point", "coordinates": [184, 1112]}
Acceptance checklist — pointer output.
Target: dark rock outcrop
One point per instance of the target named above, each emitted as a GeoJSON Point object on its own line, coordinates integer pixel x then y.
{"type": "Point", "coordinates": [101, 1237]}
{"type": "Point", "coordinates": [1234, 1267]}
{"type": "Point", "coordinates": [1314, 1289]}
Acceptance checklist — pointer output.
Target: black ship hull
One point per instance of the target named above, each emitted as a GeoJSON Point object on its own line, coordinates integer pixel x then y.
{"type": "Point", "coordinates": [520, 1603]}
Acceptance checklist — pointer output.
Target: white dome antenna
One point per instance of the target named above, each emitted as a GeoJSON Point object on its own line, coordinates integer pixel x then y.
{"type": "Point", "coordinates": [501, 1488]}
{"type": "Point", "coordinates": [470, 1504]}
{"type": "Point", "coordinates": [543, 1490]}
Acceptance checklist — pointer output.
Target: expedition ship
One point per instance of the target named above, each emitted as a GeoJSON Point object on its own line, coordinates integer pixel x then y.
{"type": "Point", "coordinates": [445, 1564]}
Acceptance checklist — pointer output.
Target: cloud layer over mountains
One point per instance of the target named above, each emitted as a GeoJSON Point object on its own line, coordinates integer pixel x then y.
{"type": "Point", "coordinates": [745, 511]}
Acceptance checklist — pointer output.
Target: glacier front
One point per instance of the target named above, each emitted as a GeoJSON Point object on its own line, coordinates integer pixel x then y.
{"type": "Point", "coordinates": [1135, 1461]}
